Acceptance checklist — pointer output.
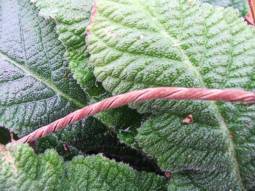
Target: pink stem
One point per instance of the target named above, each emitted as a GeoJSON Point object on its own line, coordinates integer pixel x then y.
{"type": "Point", "coordinates": [252, 7]}
{"type": "Point", "coordinates": [250, 18]}
{"type": "Point", "coordinates": [166, 93]}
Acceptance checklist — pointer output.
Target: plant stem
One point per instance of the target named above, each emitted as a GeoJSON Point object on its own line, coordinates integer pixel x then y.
{"type": "Point", "coordinates": [250, 18]}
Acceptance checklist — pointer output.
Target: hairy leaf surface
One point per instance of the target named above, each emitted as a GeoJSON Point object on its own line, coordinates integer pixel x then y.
{"type": "Point", "coordinates": [36, 84]}
{"type": "Point", "coordinates": [241, 5]}
{"type": "Point", "coordinates": [71, 18]}
{"type": "Point", "coordinates": [150, 43]}
{"type": "Point", "coordinates": [21, 169]}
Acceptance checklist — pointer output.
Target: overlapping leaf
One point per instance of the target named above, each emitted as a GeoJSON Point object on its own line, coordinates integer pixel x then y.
{"type": "Point", "coordinates": [21, 169]}
{"type": "Point", "coordinates": [79, 138]}
{"type": "Point", "coordinates": [71, 18]}
{"type": "Point", "coordinates": [36, 84]}
{"type": "Point", "coordinates": [148, 43]}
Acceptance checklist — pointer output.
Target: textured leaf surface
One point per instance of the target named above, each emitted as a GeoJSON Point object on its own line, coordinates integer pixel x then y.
{"type": "Point", "coordinates": [138, 44]}
{"type": "Point", "coordinates": [36, 85]}
{"type": "Point", "coordinates": [21, 169]}
{"type": "Point", "coordinates": [71, 19]}
{"type": "Point", "coordinates": [90, 136]}
{"type": "Point", "coordinates": [241, 5]}
{"type": "Point", "coordinates": [82, 137]}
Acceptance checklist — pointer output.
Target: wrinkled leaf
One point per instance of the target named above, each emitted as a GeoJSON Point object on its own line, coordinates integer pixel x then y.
{"type": "Point", "coordinates": [71, 18]}
{"type": "Point", "coordinates": [21, 169]}
{"type": "Point", "coordinates": [36, 84]}
{"type": "Point", "coordinates": [79, 138]}
{"type": "Point", "coordinates": [151, 43]}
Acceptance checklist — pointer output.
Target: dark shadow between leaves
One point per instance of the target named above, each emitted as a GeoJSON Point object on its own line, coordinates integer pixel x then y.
{"type": "Point", "coordinates": [6, 136]}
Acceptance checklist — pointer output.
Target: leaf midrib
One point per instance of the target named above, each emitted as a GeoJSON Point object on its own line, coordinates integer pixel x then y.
{"type": "Point", "coordinates": [223, 126]}
{"type": "Point", "coordinates": [43, 80]}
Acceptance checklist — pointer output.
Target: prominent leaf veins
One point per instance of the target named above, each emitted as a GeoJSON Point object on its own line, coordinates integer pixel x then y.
{"type": "Point", "coordinates": [148, 43]}
{"type": "Point", "coordinates": [36, 84]}
{"type": "Point", "coordinates": [71, 18]}
{"type": "Point", "coordinates": [21, 169]}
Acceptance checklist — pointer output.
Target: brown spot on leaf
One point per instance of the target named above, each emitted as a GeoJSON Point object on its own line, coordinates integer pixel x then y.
{"type": "Point", "coordinates": [66, 147]}
{"type": "Point", "coordinates": [168, 174]}
{"type": "Point", "coordinates": [188, 120]}
{"type": "Point", "coordinates": [232, 135]}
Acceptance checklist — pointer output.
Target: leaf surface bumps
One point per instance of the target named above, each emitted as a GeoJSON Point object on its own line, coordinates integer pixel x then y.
{"type": "Point", "coordinates": [21, 169]}
{"type": "Point", "coordinates": [71, 18]}
{"type": "Point", "coordinates": [36, 84]}
{"type": "Point", "coordinates": [139, 44]}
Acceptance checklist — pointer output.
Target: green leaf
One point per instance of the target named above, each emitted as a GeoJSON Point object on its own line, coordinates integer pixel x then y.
{"type": "Point", "coordinates": [36, 84]}
{"type": "Point", "coordinates": [241, 5]}
{"type": "Point", "coordinates": [200, 155]}
{"type": "Point", "coordinates": [81, 137]}
{"type": "Point", "coordinates": [92, 137]}
{"type": "Point", "coordinates": [38, 88]}
{"type": "Point", "coordinates": [72, 18]}
{"type": "Point", "coordinates": [151, 43]}
{"type": "Point", "coordinates": [21, 169]}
